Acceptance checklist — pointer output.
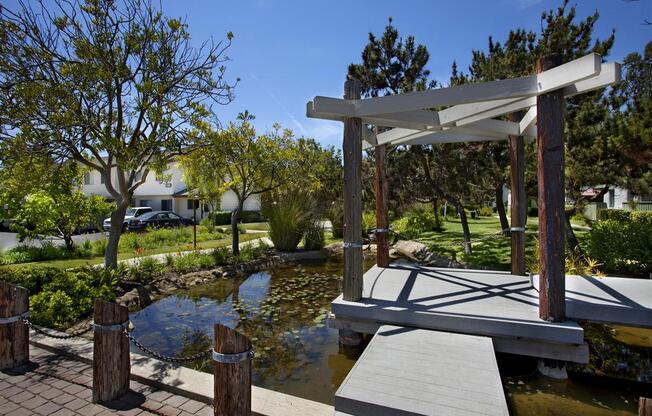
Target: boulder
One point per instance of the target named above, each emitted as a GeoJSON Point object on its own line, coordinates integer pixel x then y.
{"type": "Point", "coordinates": [420, 253]}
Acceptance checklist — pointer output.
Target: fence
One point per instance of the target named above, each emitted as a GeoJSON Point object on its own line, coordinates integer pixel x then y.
{"type": "Point", "coordinates": [232, 352]}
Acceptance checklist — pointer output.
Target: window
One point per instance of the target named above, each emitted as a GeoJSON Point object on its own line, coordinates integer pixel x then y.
{"type": "Point", "coordinates": [101, 178]}
{"type": "Point", "coordinates": [168, 184]}
{"type": "Point", "coordinates": [87, 179]}
{"type": "Point", "coordinates": [166, 205]}
{"type": "Point", "coordinates": [193, 203]}
{"type": "Point", "coordinates": [144, 203]}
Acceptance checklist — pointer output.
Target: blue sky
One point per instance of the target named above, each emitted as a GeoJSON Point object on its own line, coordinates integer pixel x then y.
{"type": "Point", "coordinates": [286, 52]}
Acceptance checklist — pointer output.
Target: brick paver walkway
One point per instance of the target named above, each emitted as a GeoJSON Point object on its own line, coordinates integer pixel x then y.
{"type": "Point", "coordinates": [57, 386]}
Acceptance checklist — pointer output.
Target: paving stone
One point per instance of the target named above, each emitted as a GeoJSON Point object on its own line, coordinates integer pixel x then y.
{"type": "Point", "coordinates": [20, 412]}
{"type": "Point", "coordinates": [159, 395]}
{"type": "Point", "coordinates": [90, 410]}
{"type": "Point", "coordinates": [7, 408]}
{"type": "Point", "coordinates": [63, 398]}
{"type": "Point", "coordinates": [206, 411]}
{"type": "Point", "coordinates": [175, 401]}
{"type": "Point", "coordinates": [35, 402]}
{"type": "Point", "coordinates": [191, 406]}
{"type": "Point", "coordinates": [21, 397]}
{"type": "Point", "coordinates": [51, 393]}
{"type": "Point", "coordinates": [47, 409]}
{"type": "Point", "coordinates": [64, 412]}
{"type": "Point", "coordinates": [76, 404]}
{"type": "Point", "coordinates": [74, 389]}
{"type": "Point", "coordinates": [169, 410]}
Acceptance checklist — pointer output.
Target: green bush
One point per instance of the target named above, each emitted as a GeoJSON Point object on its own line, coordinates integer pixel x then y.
{"type": "Point", "coordinates": [368, 222]}
{"type": "Point", "coordinates": [289, 215]}
{"type": "Point", "coordinates": [44, 252]}
{"type": "Point", "coordinates": [166, 237]}
{"type": "Point", "coordinates": [414, 223]}
{"type": "Point", "coordinates": [59, 298]}
{"type": "Point", "coordinates": [193, 261]}
{"type": "Point", "coordinates": [485, 211]}
{"type": "Point", "coordinates": [99, 247]}
{"type": "Point", "coordinates": [336, 217]}
{"type": "Point", "coordinates": [614, 214]}
{"type": "Point", "coordinates": [314, 239]}
{"type": "Point", "coordinates": [224, 217]}
{"type": "Point", "coordinates": [624, 244]}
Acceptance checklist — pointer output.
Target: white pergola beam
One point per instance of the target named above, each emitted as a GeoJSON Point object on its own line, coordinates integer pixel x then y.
{"type": "Point", "coordinates": [528, 120]}
{"type": "Point", "coordinates": [555, 78]}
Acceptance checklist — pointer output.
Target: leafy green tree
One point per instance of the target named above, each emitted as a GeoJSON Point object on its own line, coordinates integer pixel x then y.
{"type": "Point", "coordinates": [113, 85]}
{"type": "Point", "coordinates": [238, 159]}
{"type": "Point", "coordinates": [55, 208]}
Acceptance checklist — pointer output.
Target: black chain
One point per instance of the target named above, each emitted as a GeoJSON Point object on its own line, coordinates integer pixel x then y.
{"type": "Point", "coordinates": [199, 356]}
{"type": "Point", "coordinates": [45, 332]}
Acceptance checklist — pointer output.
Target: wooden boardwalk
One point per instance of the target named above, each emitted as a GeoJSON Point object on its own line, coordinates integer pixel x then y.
{"type": "Point", "coordinates": [407, 371]}
{"type": "Point", "coordinates": [476, 302]}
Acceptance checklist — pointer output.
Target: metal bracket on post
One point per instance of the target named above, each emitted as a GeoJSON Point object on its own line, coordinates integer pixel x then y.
{"type": "Point", "coordinates": [232, 358]}
{"type": "Point", "coordinates": [15, 318]}
{"type": "Point", "coordinates": [517, 229]}
{"type": "Point", "coordinates": [110, 328]}
{"type": "Point", "coordinates": [347, 244]}
{"type": "Point", "coordinates": [381, 230]}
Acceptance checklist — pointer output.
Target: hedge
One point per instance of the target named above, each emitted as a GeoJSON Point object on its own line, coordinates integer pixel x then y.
{"type": "Point", "coordinates": [623, 243]}
{"type": "Point", "coordinates": [614, 214]}
{"type": "Point", "coordinates": [224, 217]}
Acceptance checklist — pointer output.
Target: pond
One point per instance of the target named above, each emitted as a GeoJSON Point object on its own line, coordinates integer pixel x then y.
{"type": "Point", "coordinates": [283, 312]}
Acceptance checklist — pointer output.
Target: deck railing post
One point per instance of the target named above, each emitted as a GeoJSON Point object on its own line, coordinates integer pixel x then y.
{"type": "Point", "coordinates": [644, 406]}
{"type": "Point", "coordinates": [111, 361]}
{"type": "Point", "coordinates": [14, 334]}
{"type": "Point", "coordinates": [232, 372]}
{"type": "Point", "coordinates": [518, 203]}
{"type": "Point", "coordinates": [551, 192]}
{"type": "Point", "coordinates": [352, 149]}
{"type": "Point", "coordinates": [382, 226]}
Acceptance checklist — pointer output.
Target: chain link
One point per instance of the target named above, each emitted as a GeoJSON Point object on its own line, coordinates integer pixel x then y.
{"type": "Point", "coordinates": [199, 356]}
{"type": "Point", "coordinates": [45, 332]}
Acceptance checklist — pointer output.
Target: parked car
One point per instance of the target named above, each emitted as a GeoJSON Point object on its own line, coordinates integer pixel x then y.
{"type": "Point", "coordinates": [157, 219]}
{"type": "Point", "coordinates": [129, 215]}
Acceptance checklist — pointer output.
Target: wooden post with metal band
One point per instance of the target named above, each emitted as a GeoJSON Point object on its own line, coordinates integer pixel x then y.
{"type": "Point", "coordinates": [352, 147]}
{"type": "Point", "coordinates": [518, 204]}
{"type": "Point", "coordinates": [14, 334]}
{"type": "Point", "coordinates": [382, 225]}
{"type": "Point", "coordinates": [550, 172]}
{"type": "Point", "coordinates": [232, 372]}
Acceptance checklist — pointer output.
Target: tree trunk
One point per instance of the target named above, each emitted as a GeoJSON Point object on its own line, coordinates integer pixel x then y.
{"type": "Point", "coordinates": [500, 207]}
{"type": "Point", "coordinates": [70, 244]}
{"type": "Point", "coordinates": [465, 228]}
{"type": "Point", "coordinates": [438, 220]}
{"type": "Point", "coordinates": [235, 237]}
{"type": "Point", "coordinates": [117, 219]}
{"type": "Point", "coordinates": [571, 239]}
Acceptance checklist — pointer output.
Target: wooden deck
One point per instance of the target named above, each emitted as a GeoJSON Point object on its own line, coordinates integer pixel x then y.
{"type": "Point", "coordinates": [407, 371]}
{"type": "Point", "coordinates": [478, 302]}
{"type": "Point", "coordinates": [614, 300]}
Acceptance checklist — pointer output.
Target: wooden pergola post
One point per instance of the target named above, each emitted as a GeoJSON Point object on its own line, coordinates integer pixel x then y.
{"type": "Point", "coordinates": [550, 169]}
{"type": "Point", "coordinates": [382, 225]}
{"type": "Point", "coordinates": [352, 147]}
{"type": "Point", "coordinates": [518, 203]}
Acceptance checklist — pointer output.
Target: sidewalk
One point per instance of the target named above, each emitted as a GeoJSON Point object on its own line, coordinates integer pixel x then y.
{"type": "Point", "coordinates": [56, 386]}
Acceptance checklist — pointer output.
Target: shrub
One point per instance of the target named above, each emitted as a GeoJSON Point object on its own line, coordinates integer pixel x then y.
{"type": "Point", "coordinates": [221, 256]}
{"type": "Point", "coordinates": [146, 269]}
{"type": "Point", "coordinates": [485, 211]}
{"type": "Point", "coordinates": [289, 216]}
{"type": "Point", "coordinates": [59, 298]}
{"type": "Point", "coordinates": [314, 238]}
{"type": "Point", "coordinates": [208, 224]}
{"type": "Point", "coordinates": [336, 217]}
{"type": "Point", "coordinates": [224, 217]}
{"type": "Point", "coordinates": [193, 261]}
{"type": "Point", "coordinates": [614, 214]}
{"type": "Point", "coordinates": [99, 247]}
{"type": "Point", "coordinates": [625, 244]}
{"type": "Point", "coordinates": [414, 223]}
{"type": "Point", "coordinates": [368, 222]}
{"type": "Point", "coordinates": [220, 217]}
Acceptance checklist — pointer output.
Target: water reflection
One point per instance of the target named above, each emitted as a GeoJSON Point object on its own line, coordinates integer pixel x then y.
{"type": "Point", "coordinates": [283, 312]}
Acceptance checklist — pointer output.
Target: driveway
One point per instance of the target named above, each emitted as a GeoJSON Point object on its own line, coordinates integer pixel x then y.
{"type": "Point", "coordinates": [10, 240]}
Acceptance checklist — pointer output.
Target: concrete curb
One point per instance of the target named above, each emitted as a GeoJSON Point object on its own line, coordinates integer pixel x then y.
{"type": "Point", "coordinates": [184, 381]}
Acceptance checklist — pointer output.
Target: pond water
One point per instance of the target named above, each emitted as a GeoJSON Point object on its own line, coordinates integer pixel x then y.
{"type": "Point", "coordinates": [284, 311]}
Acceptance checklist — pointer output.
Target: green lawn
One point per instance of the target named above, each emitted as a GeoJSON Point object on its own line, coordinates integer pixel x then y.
{"type": "Point", "coordinates": [123, 255]}
{"type": "Point", "coordinates": [259, 226]}
{"type": "Point", "coordinates": [492, 252]}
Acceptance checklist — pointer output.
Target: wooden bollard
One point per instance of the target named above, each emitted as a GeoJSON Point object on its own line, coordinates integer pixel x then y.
{"type": "Point", "coordinates": [111, 363]}
{"type": "Point", "coordinates": [644, 406]}
{"type": "Point", "coordinates": [232, 374]}
{"type": "Point", "coordinates": [14, 334]}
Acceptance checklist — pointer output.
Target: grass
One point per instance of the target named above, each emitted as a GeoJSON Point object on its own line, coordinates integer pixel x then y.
{"type": "Point", "coordinates": [259, 226]}
{"type": "Point", "coordinates": [494, 253]}
{"type": "Point", "coordinates": [124, 255]}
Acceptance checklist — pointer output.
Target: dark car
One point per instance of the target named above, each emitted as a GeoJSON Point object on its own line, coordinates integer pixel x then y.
{"type": "Point", "coordinates": [157, 219]}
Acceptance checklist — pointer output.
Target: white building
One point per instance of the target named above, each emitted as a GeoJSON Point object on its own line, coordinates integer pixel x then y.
{"type": "Point", "coordinates": [166, 195]}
